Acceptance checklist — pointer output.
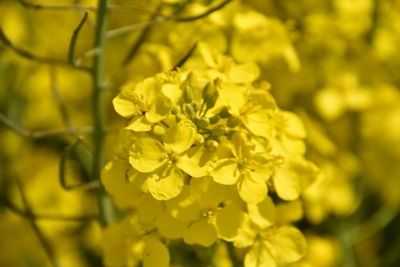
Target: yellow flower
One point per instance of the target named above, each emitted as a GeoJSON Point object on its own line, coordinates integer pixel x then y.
{"type": "Point", "coordinates": [274, 247]}
{"type": "Point", "coordinates": [164, 162]}
{"type": "Point", "coordinates": [248, 169]}
{"type": "Point", "coordinates": [208, 211]}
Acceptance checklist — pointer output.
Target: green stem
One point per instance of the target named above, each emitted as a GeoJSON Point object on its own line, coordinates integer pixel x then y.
{"type": "Point", "coordinates": [98, 102]}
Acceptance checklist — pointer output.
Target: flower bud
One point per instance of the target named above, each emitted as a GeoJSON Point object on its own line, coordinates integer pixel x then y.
{"type": "Point", "coordinates": [199, 139]}
{"type": "Point", "coordinates": [191, 78]}
{"type": "Point", "coordinates": [188, 93]}
{"type": "Point", "coordinates": [189, 110]}
{"type": "Point", "coordinates": [219, 130]}
{"type": "Point", "coordinates": [203, 123]}
{"type": "Point", "coordinates": [214, 119]}
{"type": "Point", "coordinates": [158, 130]}
{"type": "Point", "coordinates": [196, 106]}
{"type": "Point", "coordinates": [210, 95]}
{"type": "Point", "coordinates": [196, 119]}
{"type": "Point", "coordinates": [224, 113]}
{"type": "Point", "coordinates": [233, 122]}
{"type": "Point", "coordinates": [212, 145]}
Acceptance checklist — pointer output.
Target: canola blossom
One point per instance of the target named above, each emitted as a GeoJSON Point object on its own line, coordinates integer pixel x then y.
{"type": "Point", "coordinates": [204, 149]}
{"type": "Point", "coordinates": [223, 133]}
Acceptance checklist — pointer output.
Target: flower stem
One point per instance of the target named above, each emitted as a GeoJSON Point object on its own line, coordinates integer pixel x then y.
{"type": "Point", "coordinates": [98, 104]}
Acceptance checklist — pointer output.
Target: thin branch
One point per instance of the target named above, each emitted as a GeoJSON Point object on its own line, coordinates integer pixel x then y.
{"type": "Point", "coordinates": [57, 97]}
{"type": "Point", "coordinates": [28, 4]}
{"type": "Point", "coordinates": [202, 15]}
{"type": "Point", "coordinates": [74, 38]}
{"type": "Point", "coordinates": [376, 223]}
{"type": "Point", "coordinates": [142, 37]}
{"type": "Point", "coordinates": [98, 111]}
{"type": "Point", "coordinates": [157, 20]}
{"type": "Point", "coordinates": [39, 59]}
{"type": "Point", "coordinates": [49, 217]}
{"type": "Point", "coordinates": [95, 184]}
{"type": "Point", "coordinates": [125, 29]}
{"type": "Point", "coordinates": [45, 244]}
{"type": "Point", "coordinates": [232, 255]}
{"type": "Point", "coordinates": [10, 124]}
{"type": "Point", "coordinates": [43, 134]}
{"type": "Point", "coordinates": [87, 54]}
{"type": "Point", "coordinates": [186, 57]}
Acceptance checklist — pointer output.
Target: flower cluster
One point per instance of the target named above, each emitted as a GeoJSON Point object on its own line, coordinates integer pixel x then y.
{"type": "Point", "coordinates": [203, 156]}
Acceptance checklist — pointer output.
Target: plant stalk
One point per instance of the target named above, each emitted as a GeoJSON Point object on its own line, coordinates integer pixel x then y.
{"type": "Point", "coordinates": [98, 71]}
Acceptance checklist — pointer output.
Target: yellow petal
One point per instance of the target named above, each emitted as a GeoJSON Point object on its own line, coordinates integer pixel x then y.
{"type": "Point", "coordinates": [293, 177]}
{"type": "Point", "coordinates": [165, 184]}
{"type": "Point", "coordinates": [172, 91]}
{"type": "Point", "coordinates": [264, 167]}
{"type": "Point", "coordinates": [258, 256]}
{"type": "Point", "coordinates": [159, 109]}
{"type": "Point", "coordinates": [180, 136]}
{"type": "Point", "coordinates": [124, 104]}
{"type": "Point", "coordinates": [244, 73]}
{"type": "Point", "coordinates": [263, 214]}
{"type": "Point", "coordinates": [116, 241]}
{"type": "Point", "coordinates": [147, 154]}
{"type": "Point", "coordinates": [195, 161]}
{"type": "Point", "coordinates": [251, 191]}
{"type": "Point", "coordinates": [169, 226]}
{"type": "Point", "coordinates": [288, 212]}
{"type": "Point", "coordinates": [148, 209]}
{"type": "Point", "coordinates": [287, 245]}
{"type": "Point", "coordinates": [226, 172]}
{"type": "Point", "coordinates": [155, 254]}
{"type": "Point", "coordinates": [260, 123]}
{"type": "Point", "coordinates": [233, 97]}
{"type": "Point", "coordinates": [183, 206]}
{"type": "Point", "coordinates": [228, 221]}
{"type": "Point", "coordinates": [246, 234]}
{"type": "Point", "coordinates": [139, 124]}
{"type": "Point", "coordinates": [201, 233]}
{"type": "Point", "coordinates": [294, 127]}
{"type": "Point", "coordinates": [124, 192]}
{"type": "Point", "coordinates": [207, 193]}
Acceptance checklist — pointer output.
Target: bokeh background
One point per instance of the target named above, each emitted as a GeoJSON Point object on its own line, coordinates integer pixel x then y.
{"type": "Point", "coordinates": [333, 62]}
